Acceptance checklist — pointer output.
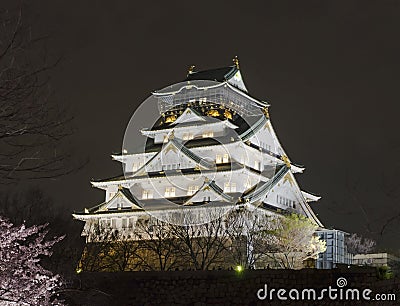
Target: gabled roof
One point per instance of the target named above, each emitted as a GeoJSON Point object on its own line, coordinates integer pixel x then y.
{"type": "Point", "coordinates": [189, 115]}
{"type": "Point", "coordinates": [217, 74]}
{"type": "Point", "coordinates": [209, 188]}
{"type": "Point", "coordinates": [122, 200]}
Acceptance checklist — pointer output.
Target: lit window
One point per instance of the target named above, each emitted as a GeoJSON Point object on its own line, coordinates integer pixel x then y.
{"type": "Point", "coordinates": [169, 192]}
{"type": "Point", "coordinates": [225, 158]}
{"type": "Point", "coordinates": [192, 190]}
{"type": "Point", "coordinates": [229, 187]}
{"type": "Point", "coordinates": [124, 222]}
{"type": "Point", "coordinates": [226, 187]}
{"type": "Point", "coordinates": [147, 194]}
{"type": "Point", "coordinates": [248, 183]}
{"type": "Point", "coordinates": [218, 159]}
{"type": "Point", "coordinates": [170, 167]}
{"type": "Point", "coordinates": [187, 136]}
{"type": "Point", "coordinates": [208, 134]}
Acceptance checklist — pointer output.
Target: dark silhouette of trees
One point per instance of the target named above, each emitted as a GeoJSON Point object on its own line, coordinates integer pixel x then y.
{"type": "Point", "coordinates": [359, 245]}
{"type": "Point", "coordinates": [33, 130]}
{"type": "Point", "coordinates": [248, 241]}
{"type": "Point", "coordinates": [241, 236]}
{"type": "Point", "coordinates": [32, 125]}
{"type": "Point", "coordinates": [202, 246]}
{"type": "Point", "coordinates": [157, 246]}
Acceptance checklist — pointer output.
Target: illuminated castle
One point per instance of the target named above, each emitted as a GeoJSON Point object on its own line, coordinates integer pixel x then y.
{"type": "Point", "coordinates": [212, 146]}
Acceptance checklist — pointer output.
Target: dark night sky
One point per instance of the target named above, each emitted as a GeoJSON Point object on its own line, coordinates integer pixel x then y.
{"type": "Point", "coordinates": [329, 68]}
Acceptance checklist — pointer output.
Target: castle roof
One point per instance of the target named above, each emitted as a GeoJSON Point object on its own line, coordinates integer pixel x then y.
{"type": "Point", "coordinates": [217, 74]}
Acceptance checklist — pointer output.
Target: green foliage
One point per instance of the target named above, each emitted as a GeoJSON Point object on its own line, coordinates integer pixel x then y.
{"type": "Point", "coordinates": [293, 239]}
{"type": "Point", "coordinates": [384, 272]}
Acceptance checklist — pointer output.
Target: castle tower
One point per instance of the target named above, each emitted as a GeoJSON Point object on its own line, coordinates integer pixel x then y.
{"type": "Point", "coordinates": [213, 145]}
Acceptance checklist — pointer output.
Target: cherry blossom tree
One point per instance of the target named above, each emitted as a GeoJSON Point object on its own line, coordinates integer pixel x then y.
{"type": "Point", "coordinates": [23, 280]}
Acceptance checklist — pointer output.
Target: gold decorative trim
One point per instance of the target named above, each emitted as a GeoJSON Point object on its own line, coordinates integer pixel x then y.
{"type": "Point", "coordinates": [266, 112]}
{"type": "Point", "coordinates": [213, 113]}
{"type": "Point", "coordinates": [191, 69]}
{"type": "Point", "coordinates": [227, 114]}
{"type": "Point", "coordinates": [235, 60]}
{"type": "Point", "coordinates": [170, 119]}
{"type": "Point", "coordinates": [286, 160]}
{"type": "Point", "coordinates": [288, 178]}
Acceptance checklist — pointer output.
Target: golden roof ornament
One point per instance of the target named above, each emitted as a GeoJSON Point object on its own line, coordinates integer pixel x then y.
{"type": "Point", "coordinates": [266, 112]}
{"type": "Point", "coordinates": [236, 61]}
{"type": "Point", "coordinates": [286, 160]}
{"type": "Point", "coordinates": [171, 135]}
{"type": "Point", "coordinates": [170, 119]}
{"type": "Point", "coordinates": [191, 69]}
{"type": "Point", "coordinates": [227, 114]}
{"type": "Point", "coordinates": [213, 113]}
{"type": "Point", "coordinates": [288, 178]}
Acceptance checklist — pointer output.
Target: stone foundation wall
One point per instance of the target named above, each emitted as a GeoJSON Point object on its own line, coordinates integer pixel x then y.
{"type": "Point", "coordinates": [220, 287]}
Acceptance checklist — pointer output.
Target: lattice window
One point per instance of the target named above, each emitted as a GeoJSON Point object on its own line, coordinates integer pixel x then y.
{"type": "Point", "coordinates": [230, 187]}
{"type": "Point", "coordinates": [192, 190]}
{"type": "Point", "coordinates": [169, 192]}
{"type": "Point", "coordinates": [208, 134]}
{"type": "Point", "coordinates": [147, 194]}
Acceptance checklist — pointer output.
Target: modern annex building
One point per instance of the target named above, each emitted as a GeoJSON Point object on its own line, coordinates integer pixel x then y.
{"type": "Point", "coordinates": [213, 145]}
